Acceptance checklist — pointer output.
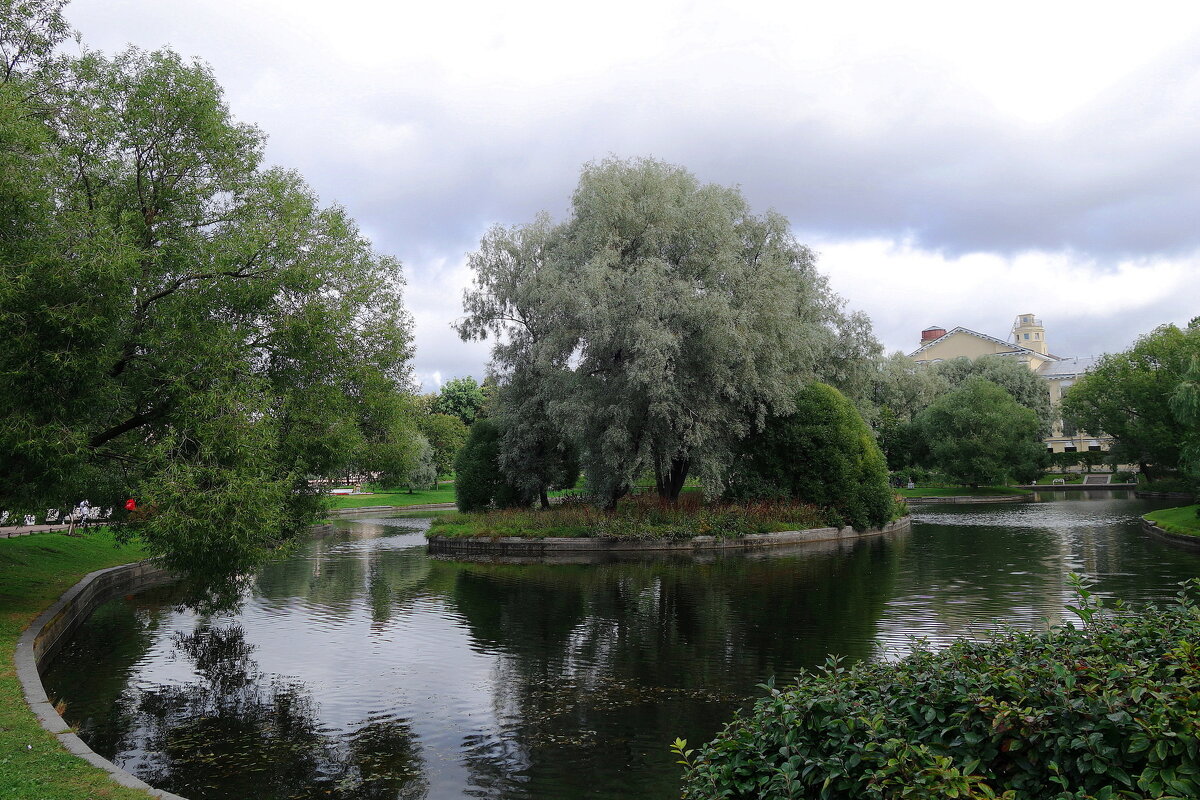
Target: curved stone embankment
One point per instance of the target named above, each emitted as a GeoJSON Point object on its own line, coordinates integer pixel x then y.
{"type": "Point", "coordinates": [1188, 496]}
{"type": "Point", "coordinates": [1181, 539]}
{"type": "Point", "coordinates": [550, 546]}
{"type": "Point", "coordinates": [43, 639]}
{"type": "Point", "coordinates": [350, 512]}
{"type": "Point", "coordinates": [972, 498]}
{"type": "Point", "coordinates": [1077, 487]}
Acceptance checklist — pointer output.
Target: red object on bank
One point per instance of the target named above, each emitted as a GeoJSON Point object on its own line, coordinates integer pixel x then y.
{"type": "Point", "coordinates": [131, 504]}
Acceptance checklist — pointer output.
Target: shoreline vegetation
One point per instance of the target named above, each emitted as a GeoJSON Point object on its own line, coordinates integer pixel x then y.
{"type": "Point", "coordinates": [1182, 520]}
{"type": "Point", "coordinates": [34, 571]}
{"type": "Point", "coordinates": [1102, 710]}
{"type": "Point", "coordinates": [641, 518]}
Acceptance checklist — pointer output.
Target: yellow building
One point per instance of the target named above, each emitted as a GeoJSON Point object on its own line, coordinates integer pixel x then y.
{"type": "Point", "coordinates": [1027, 345]}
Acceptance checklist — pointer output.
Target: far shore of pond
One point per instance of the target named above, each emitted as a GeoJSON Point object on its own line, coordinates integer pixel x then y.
{"type": "Point", "coordinates": [961, 491]}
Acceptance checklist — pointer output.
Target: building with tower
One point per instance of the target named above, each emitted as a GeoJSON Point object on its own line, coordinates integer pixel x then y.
{"type": "Point", "coordinates": [1027, 344]}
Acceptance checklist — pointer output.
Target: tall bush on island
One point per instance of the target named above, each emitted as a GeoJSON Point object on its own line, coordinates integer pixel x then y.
{"type": "Point", "coordinates": [822, 453]}
{"type": "Point", "coordinates": [479, 484]}
{"type": "Point", "coordinates": [977, 435]}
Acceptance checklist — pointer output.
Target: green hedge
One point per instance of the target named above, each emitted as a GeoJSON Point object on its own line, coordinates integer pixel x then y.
{"type": "Point", "coordinates": [1107, 710]}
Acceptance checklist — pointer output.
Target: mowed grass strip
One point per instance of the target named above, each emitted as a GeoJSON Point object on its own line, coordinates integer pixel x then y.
{"type": "Point", "coordinates": [34, 571]}
{"type": "Point", "coordinates": [961, 491]}
{"type": "Point", "coordinates": [398, 497]}
{"type": "Point", "coordinates": [1177, 520]}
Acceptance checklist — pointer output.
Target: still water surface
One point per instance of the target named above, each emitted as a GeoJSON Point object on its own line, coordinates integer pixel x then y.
{"type": "Point", "coordinates": [362, 668]}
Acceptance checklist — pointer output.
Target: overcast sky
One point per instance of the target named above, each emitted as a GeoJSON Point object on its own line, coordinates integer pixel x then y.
{"type": "Point", "coordinates": [953, 165]}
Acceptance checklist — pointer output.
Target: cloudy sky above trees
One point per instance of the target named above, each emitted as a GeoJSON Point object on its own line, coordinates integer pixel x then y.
{"type": "Point", "coordinates": [952, 165]}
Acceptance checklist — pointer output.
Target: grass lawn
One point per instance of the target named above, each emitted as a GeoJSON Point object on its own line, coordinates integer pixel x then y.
{"type": "Point", "coordinates": [1048, 480]}
{"type": "Point", "coordinates": [34, 571]}
{"type": "Point", "coordinates": [1177, 520]}
{"type": "Point", "coordinates": [959, 491]}
{"type": "Point", "coordinates": [399, 497]}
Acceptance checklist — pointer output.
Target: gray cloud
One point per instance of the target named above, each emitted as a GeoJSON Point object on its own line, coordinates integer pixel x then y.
{"type": "Point", "coordinates": [883, 148]}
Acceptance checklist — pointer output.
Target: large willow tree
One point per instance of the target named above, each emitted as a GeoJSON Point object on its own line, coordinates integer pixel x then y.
{"type": "Point", "coordinates": [180, 322]}
{"type": "Point", "coordinates": [656, 326]}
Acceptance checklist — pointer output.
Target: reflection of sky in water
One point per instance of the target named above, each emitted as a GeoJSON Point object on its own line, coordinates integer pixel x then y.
{"type": "Point", "coordinates": [545, 681]}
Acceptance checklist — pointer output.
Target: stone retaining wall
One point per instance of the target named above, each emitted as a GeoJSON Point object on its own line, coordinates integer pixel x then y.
{"type": "Point", "coordinates": [349, 512]}
{"type": "Point", "coordinates": [1181, 539]}
{"type": "Point", "coordinates": [970, 498]}
{"type": "Point", "coordinates": [1165, 496]}
{"type": "Point", "coordinates": [520, 546]}
{"type": "Point", "coordinates": [45, 637]}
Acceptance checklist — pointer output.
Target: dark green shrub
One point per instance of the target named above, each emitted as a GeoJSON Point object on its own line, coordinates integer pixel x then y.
{"type": "Point", "coordinates": [1108, 710]}
{"type": "Point", "coordinates": [824, 455]}
{"type": "Point", "coordinates": [478, 482]}
{"type": "Point", "coordinates": [1174, 483]}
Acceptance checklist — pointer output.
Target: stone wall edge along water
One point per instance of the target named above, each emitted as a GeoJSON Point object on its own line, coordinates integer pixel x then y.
{"type": "Point", "coordinates": [1180, 539]}
{"type": "Point", "coordinates": [555, 545]}
{"type": "Point", "coordinates": [43, 639]}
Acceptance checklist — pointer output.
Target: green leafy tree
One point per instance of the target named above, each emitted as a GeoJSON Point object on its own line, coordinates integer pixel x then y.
{"type": "Point", "coordinates": [423, 473]}
{"type": "Point", "coordinates": [534, 455]}
{"type": "Point", "coordinates": [1185, 404]}
{"type": "Point", "coordinates": [978, 434]}
{"type": "Point", "coordinates": [822, 453]}
{"type": "Point", "coordinates": [664, 321]}
{"type": "Point", "coordinates": [1128, 396]}
{"type": "Point", "coordinates": [1023, 384]}
{"type": "Point", "coordinates": [447, 434]}
{"type": "Point", "coordinates": [460, 397]}
{"type": "Point", "coordinates": [181, 322]}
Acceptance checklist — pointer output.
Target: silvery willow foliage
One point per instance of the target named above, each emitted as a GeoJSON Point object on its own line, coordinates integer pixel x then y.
{"type": "Point", "coordinates": [658, 324]}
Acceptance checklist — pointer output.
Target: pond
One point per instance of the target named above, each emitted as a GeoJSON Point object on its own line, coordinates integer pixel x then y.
{"type": "Point", "coordinates": [360, 667]}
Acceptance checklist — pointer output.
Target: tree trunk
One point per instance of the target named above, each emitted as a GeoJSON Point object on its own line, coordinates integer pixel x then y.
{"type": "Point", "coordinates": [672, 482]}
{"type": "Point", "coordinates": [545, 498]}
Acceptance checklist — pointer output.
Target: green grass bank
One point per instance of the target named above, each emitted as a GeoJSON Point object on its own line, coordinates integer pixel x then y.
{"type": "Point", "coordinates": [397, 497]}
{"type": "Point", "coordinates": [1177, 520]}
{"type": "Point", "coordinates": [34, 571]}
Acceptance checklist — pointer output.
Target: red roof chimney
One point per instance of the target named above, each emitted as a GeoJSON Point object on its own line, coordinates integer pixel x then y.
{"type": "Point", "coordinates": [929, 334]}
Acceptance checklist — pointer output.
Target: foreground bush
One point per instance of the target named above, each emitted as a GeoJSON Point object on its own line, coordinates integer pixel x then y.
{"type": "Point", "coordinates": [1110, 710]}
{"type": "Point", "coordinates": [639, 517]}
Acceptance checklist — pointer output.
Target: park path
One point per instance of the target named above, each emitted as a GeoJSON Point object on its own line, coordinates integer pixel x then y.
{"type": "Point", "coordinates": [13, 531]}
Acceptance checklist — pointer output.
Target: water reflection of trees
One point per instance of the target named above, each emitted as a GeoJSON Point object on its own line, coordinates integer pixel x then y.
{"type": "Point", "coordinates": [334, 577]}
{"type": "Point", "coordinates": [609, 662]}
{"type": "Point", "coordinates": [234, 732]}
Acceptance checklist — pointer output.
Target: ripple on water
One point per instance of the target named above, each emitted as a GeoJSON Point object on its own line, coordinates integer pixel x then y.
{"type": "Point", "coordinates": [416, 677]}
